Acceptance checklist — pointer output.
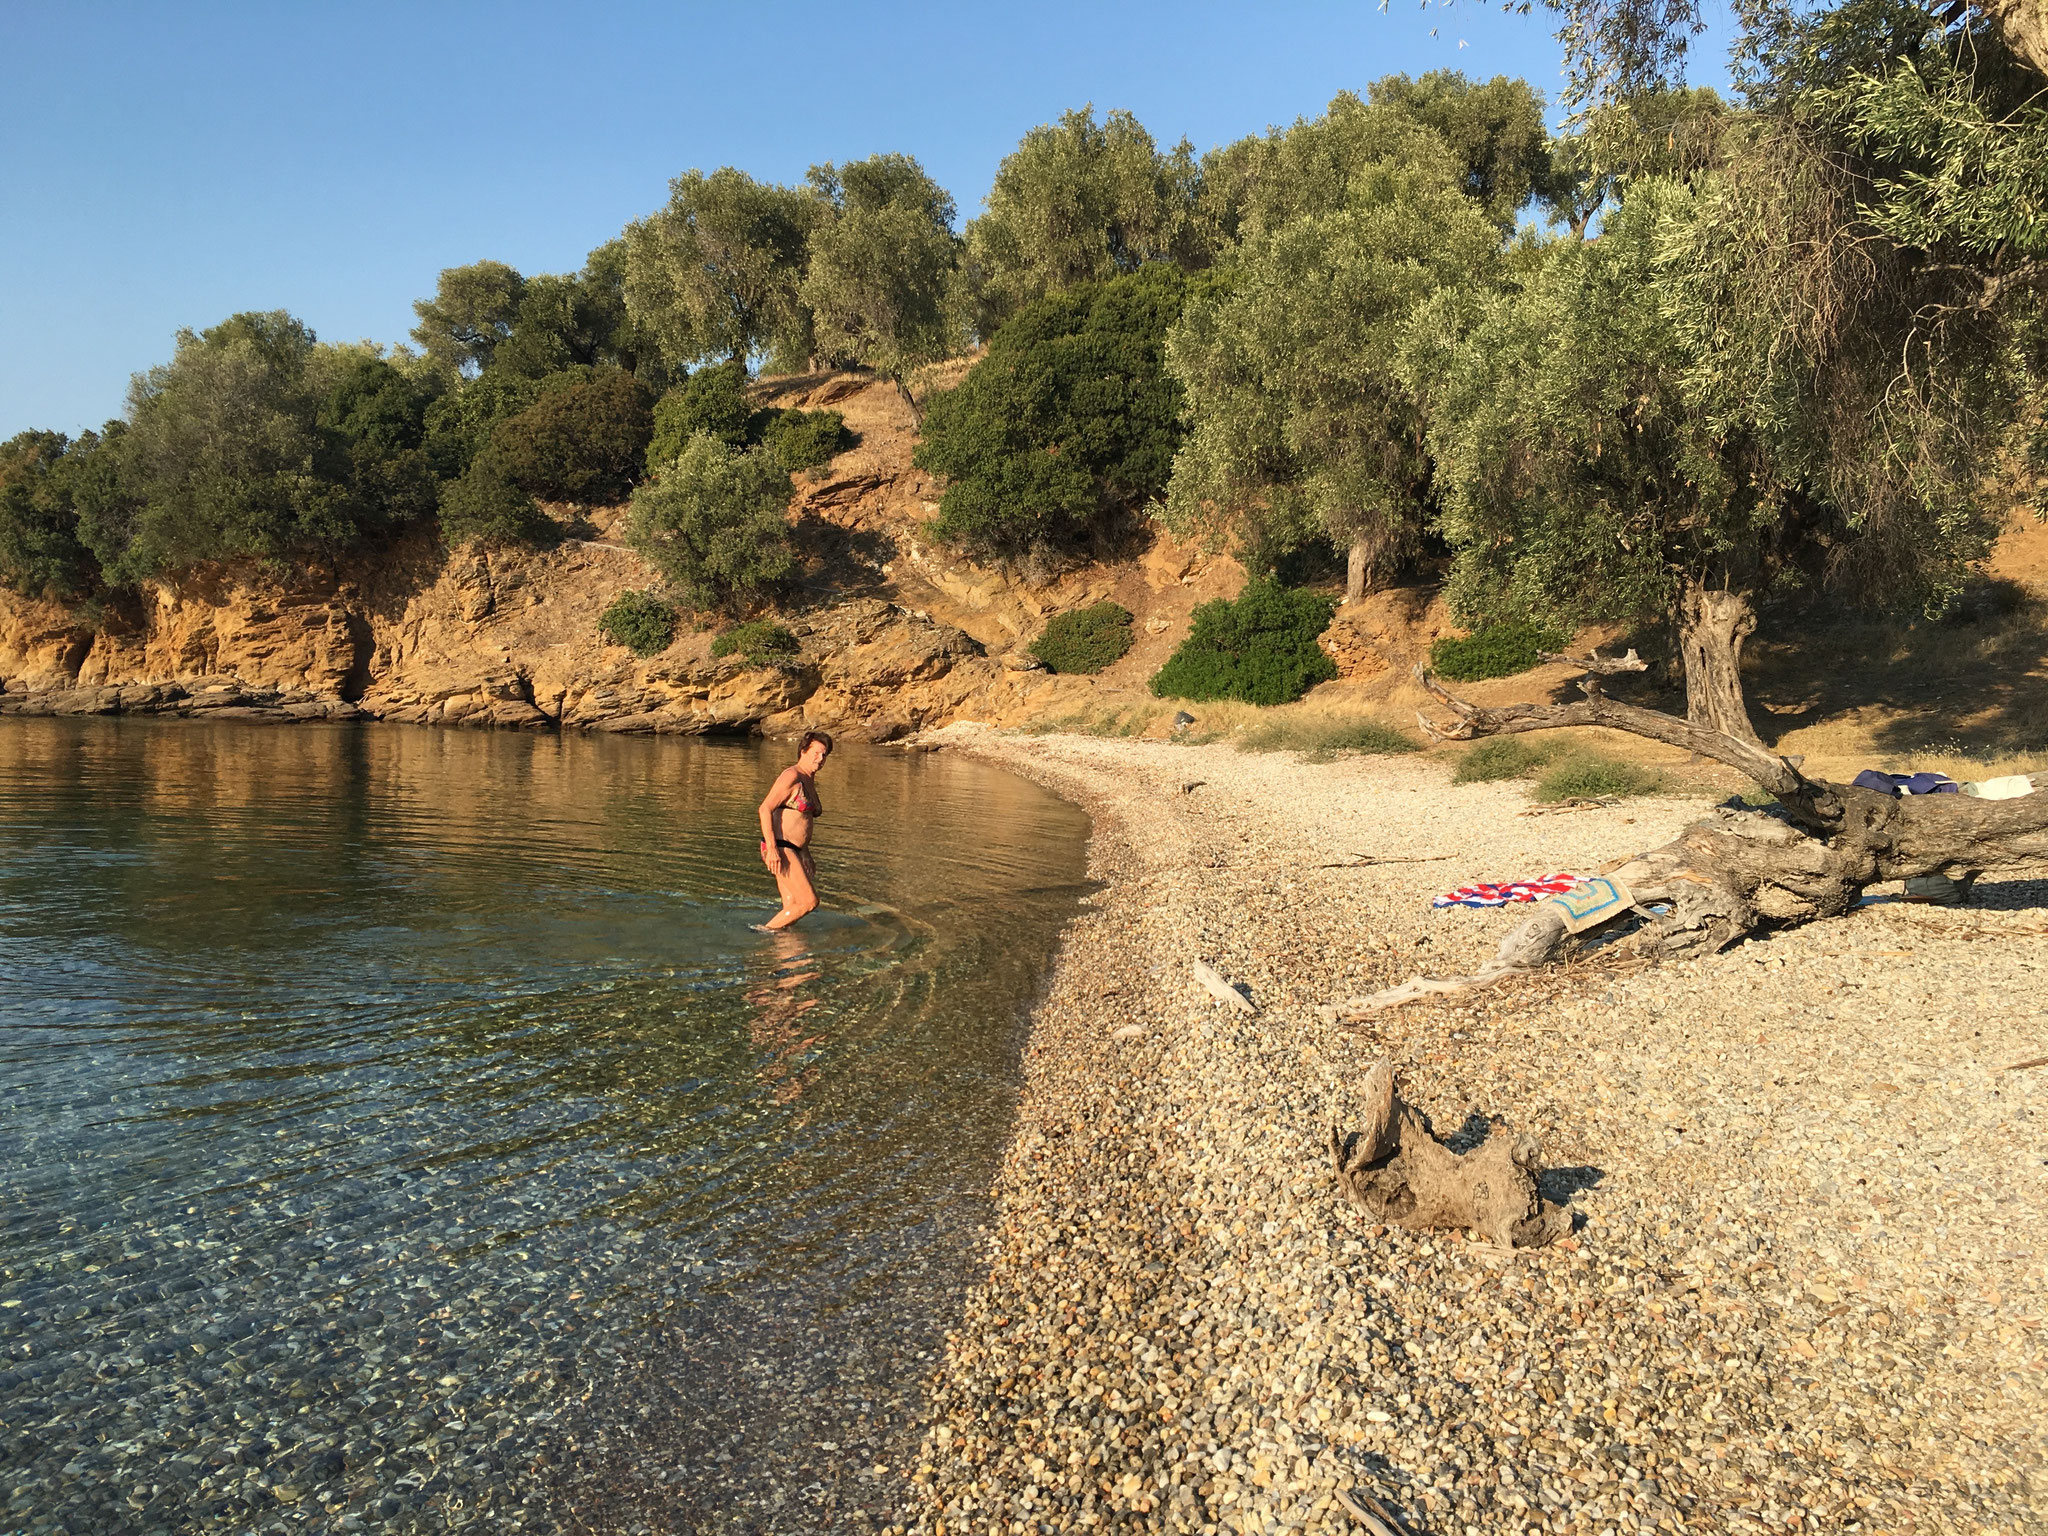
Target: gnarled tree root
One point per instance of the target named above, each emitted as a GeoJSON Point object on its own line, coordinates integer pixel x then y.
{"type": "Point", "coordinates": [1395, 1170]}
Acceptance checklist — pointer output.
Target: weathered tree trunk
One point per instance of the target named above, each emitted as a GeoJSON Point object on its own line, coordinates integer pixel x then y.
{"type": "Point", "coordinates": [1358, 564]}
{"type": "Point", "coordinates": [1741, 870]}
{"type": "Point", "coordinates": [2023, 24]}
{"type": "Point", "coordinates": [903, 389]}
{"type": "Point", "coordinates": [1712, 627]}
{"type": "Point", "coordinates": [1394, 1169]}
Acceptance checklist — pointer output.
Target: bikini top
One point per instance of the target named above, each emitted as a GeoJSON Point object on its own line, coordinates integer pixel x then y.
{"type": "Point", "coordinates": [800, 802]}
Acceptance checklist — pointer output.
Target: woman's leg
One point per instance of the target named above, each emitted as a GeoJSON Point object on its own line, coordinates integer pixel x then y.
{"type": "Point", "coordinates": [798, 883]}
{"type": "Point", "coordinates": [795, 881]}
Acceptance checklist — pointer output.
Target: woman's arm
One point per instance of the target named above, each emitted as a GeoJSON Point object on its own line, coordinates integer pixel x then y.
{"type": "Point", "coordinates": [777, 794]}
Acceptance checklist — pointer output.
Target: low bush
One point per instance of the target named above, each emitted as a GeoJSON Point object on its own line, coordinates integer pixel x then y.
{"type": "Point", "coordinates": [1499, 650]}
{"type": "Point", "coordinates": [643, 623]}
{"type": "Point", "coordinates": [759, 642]}
{"type": "Point", "coordinates": [1587, 775]}
{"type": "Point", "coordinates": [711, 402]}
{"type": "Point", "coordinates": [1260, 648]}
{"type": "Point", "coordinates": [712, 522]}
{"type": "Point", "coordinates": [583, 443]}
{"type": "Point", "coordinates": [1321, 736]}
{"type": "Point", "coordinates": [1503, 757]}
{"type": "Point", "coordinates": [1086, 640]}
{"type": "Point", "coordinates": [484, 506]}
{"type": "Point", "coordinates": [802, 439]}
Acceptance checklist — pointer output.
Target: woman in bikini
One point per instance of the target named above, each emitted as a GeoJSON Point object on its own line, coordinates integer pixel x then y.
{"type": "Point", "coordinates": [786, 817]}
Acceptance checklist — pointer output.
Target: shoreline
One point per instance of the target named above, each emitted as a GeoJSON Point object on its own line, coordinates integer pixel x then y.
{"type": "Point", "coordinates": [1804, 1292]}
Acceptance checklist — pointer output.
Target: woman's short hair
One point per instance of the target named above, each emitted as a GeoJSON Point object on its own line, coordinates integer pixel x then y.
{"type": "Point", "coordinates": [810, 736]}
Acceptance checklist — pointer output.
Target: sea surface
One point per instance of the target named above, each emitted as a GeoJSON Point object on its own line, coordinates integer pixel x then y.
{"type": "Point", "coordinates": [401, 1129]}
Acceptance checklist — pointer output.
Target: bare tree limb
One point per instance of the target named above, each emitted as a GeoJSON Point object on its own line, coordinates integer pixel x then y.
{"type": "Point", "coordinates": [1768, 770]}
{"type": "Point", "coordinates": [1593, 661]}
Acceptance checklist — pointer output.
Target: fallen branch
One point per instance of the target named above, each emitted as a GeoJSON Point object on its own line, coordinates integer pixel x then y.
{"type": "Point", "coordinates": [1593, 661]}
{"type": "Point", "coordinates": [1366, 860]}
{"type": "Point", "coordinates": [1575, 803]}
{"type": "Point", "coordinates": [1395, 1170]}
{"type": "Point", "coordinates": [2021, 1066]}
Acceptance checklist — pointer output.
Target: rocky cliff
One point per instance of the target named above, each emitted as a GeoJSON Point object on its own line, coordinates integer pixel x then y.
{"type": "Point", "coordinates": [893, 635]}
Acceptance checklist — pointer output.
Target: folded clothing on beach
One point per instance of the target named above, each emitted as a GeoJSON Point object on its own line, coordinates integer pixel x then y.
{"type": "Point", "coordinates": [1896, 784]}
{"type": "Point", "coordinates": [2011, 787]}
{"type": "Point", "coordinates": [1513, 890]}
{"type": "Point", "coordinates": [1591, 902]}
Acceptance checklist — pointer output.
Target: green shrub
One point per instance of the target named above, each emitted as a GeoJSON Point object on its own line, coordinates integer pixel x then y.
{"type": "Point", "coordinates": [1587, 775]}
{"type": "Point", "coordinates": [712, 522]}
{"type": "Point", "coordinates": [584, 443]}
{"type": "Point", "coordinates": [1086, 640]}
{"type": "Point", "coordinates": [802, 439]}
{"type": "Point", "coordinates": [643, 623]}
{"type": "Point", "coordinates": [1320, 737]}
{"type": "Point", "coordinates": [459, 425]}
{"type": "Point", "coordinates": [1070, 415]}
{"type": "Point", "coordinates": [1261, 648]}
{"type": "Point", "coordinates": [41, 552]}
{"type": "Point", "coordinates": [1502, 757]}
{"type": "Point", "coordinates": [1499, 650]}
{"type": "Point", "coordinates": [712, 402]}
{"type": "Point", "coordinates": [484, 506]}
{"type": "Point", "coordinates": [760, 642]}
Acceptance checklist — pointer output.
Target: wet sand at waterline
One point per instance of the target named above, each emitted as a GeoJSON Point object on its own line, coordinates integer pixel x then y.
{"type": "Point", "coordinates": [1806, 1291]}
{"type": "Point", "coordinates": [403, 1131]}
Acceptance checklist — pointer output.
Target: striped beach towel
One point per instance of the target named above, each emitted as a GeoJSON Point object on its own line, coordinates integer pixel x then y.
{"type": "Point", "coordinates": [1513, 890]}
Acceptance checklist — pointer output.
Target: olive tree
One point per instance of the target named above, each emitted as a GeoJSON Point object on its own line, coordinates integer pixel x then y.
{"type": "Point", "coordinates": [1304, 424]}
{"type": "Point", "coordinates": [717, 273]}
{"type": "Point", "coordinates": [1079, 201]}
{"type": "Point", "coordinates": [882, 266]}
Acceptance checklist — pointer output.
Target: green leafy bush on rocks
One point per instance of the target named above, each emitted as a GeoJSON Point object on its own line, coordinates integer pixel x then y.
{"type": "Point", "coordinates": [1261, 648]}
{"type": "Point", "coordinates": [643, 623]}
{"type": "Point", "coordinates": [759, 642]}
{"type": "Point", "coordinates": [584, 442]}
{"type": "Point", "coordinates": [486, 507]}
{"type": "Point", "coordinates": [712, 522]}
{"type": "Point", "coordinates": [1499, 650]}
{"type": "Point", "coordinates": [802, 439]}
{"type": "Point", "coordinates": [1086, 640]}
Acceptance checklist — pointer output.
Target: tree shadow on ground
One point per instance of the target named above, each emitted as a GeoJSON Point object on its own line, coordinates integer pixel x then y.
{"type": "Point", "coordinates": [1974, 682]}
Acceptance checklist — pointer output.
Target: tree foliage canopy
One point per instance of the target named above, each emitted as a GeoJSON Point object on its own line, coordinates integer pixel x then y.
{"type": "Point", "coordinates": [1079, 202]}
{"type": "Point", "coordinates": [1305, 425]}
{"type": "Point", "coordinates": [1069, 417]}
{"type": "Point", "coordinates": [718, 272]}
{"type": "Point", "coordinates": [880, 278]}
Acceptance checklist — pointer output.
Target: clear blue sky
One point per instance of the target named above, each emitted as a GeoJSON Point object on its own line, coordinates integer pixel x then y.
{"type": "Point", "coordinates": [164, 165]}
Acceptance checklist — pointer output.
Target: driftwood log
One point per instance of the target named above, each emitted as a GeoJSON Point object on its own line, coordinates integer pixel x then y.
{"type": "Point", "coordinates": [1740, 871]}
{"type": "Point", "coordinates": [1395, 1170]}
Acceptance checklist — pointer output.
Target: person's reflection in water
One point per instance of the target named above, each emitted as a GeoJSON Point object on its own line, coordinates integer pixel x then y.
{"type": "Point", "coordinates": [776, 1027]}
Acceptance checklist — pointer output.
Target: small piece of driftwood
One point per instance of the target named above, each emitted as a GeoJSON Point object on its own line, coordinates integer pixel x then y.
{"type": "Point", "coordinates": [2021, 1066]}
{"type": "Point", "coordinates": [1366, 861]}
{"type": "Point", "coordinates": [1219, 987]}
{"type": "Point", "coordinates": [1395, 1170]}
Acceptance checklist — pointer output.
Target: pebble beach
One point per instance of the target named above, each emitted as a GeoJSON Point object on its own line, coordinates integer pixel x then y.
{"type": "Point", "coordinates": [1805, 1290]}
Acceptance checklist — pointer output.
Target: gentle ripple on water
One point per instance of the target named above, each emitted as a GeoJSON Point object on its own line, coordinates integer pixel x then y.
{"type": "Point", "coordinates": [401, 1130]}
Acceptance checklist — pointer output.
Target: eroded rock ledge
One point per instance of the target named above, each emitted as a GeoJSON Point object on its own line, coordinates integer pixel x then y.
{"type": "Point", "coordinates": [480, 638]}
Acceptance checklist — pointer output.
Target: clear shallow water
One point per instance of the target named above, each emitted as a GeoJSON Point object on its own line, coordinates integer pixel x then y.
{"type": "Point", "coordinates": [400, 1129]}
